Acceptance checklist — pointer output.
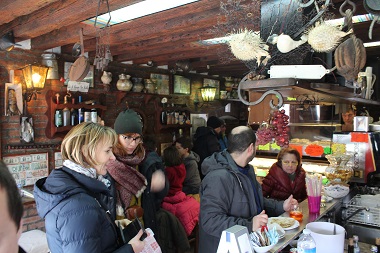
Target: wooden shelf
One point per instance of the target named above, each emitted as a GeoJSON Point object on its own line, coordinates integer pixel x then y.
{"type": "Point", "coordinates": [175, 126]}
{"type": "Point", "coordinates": [51, 130]}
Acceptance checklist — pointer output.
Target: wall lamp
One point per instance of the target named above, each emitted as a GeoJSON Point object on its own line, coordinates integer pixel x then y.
{"type": "Point", "coordinates": [34, 77]}
{"type": "Point", "coordinates": [208, 93]}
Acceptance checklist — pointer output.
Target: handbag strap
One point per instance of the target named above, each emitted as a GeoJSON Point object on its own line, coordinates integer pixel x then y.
{"type": "Point", "coordinates": [108, 215]}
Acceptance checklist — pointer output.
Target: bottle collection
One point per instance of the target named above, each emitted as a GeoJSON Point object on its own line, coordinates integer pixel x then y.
{"type": "Point", "coordinates": [174, 117]}
{"type": "Point", "coordinates": [73, 116]}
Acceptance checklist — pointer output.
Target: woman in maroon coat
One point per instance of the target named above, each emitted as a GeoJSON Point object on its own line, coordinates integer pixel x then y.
{"type": "Point", "coordinates": [286, 177]}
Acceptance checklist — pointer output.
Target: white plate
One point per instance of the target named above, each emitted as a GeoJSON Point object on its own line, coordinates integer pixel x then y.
{"type": "Point", "coordinates": [295, 225]}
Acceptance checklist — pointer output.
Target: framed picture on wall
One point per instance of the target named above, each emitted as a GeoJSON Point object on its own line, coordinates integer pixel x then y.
{"type": "Point", "coordinates": [162, 83]}
{"type": "Point", "coordinates": [213, 83]}
{"type": "Point", "coordinates": [181, 85]}
{"type": "Point", "coordinates": [88, 79]}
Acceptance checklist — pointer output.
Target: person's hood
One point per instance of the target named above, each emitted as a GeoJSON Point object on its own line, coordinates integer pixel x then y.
{"type": "Point", "coordinates": [150, 159]}
{"type": "Point", "coordinates": [192, 156]}
{"type": "Point", "coordinates": [62, 184]}
{"type": "Point", "coordinates": [202, 131]}
{"type": "Point", "coordinates": [217, 161]}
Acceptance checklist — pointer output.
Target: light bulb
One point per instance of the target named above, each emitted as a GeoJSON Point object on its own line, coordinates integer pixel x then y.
{"type": "Point", "coordinates": [36, 78]}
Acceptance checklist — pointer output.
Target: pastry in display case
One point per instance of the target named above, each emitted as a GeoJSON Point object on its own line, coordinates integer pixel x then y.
{"type": "Point", "coordinates": [339, 170]}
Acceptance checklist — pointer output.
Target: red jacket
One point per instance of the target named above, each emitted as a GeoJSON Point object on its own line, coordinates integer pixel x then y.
{"type": "Point", "coordinates": [277, 184]}
{"type": "Point", "coordinates": [185, 208]}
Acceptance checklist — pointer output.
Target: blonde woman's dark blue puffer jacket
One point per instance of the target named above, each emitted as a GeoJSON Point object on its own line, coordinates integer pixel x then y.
{"type": "Point", "coordinates": [74, 220]}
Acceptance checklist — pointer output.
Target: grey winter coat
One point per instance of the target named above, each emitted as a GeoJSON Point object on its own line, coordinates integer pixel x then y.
{"type": "Point", "coordinates": [193, 180]}
{"type": "Point", "coordinates": [227, 199]}
{"type": "Point", "coordinates": [74, 220]}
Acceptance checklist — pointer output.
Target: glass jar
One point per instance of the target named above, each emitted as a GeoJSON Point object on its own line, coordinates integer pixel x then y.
{"type": "Point", "coordinates": [338, 171]}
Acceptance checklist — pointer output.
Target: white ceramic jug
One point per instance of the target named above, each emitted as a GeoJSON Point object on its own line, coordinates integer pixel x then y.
{"type": "Point", "coordinates": [106, 77]}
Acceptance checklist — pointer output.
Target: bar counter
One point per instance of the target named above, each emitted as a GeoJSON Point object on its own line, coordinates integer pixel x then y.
{"type": "Point", "coordinates": [307, 218]}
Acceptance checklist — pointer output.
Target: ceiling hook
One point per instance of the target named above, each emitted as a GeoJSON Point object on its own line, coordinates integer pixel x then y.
{"type": "Point", "coordinates": [346, 3]}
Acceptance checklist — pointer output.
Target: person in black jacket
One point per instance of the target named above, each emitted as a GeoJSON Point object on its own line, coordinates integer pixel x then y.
{"type": "Point", "coordinates": [151, 201]}
{"type": "Point", "coordinates": [70, 199]}
{"type": "Point", "coordinates": [206, 140]}
{"type": "Point", "coordinates": [11, 211]}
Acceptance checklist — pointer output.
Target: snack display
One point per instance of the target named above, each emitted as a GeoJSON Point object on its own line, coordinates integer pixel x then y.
{"type": "Point", "coordinates": [338, 171]}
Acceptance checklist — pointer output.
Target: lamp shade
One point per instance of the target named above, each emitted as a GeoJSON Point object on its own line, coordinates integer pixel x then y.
{"type": "Point", "coordinates": [35, 77]}
{"type": "Point", "coordinates": [208, 93]}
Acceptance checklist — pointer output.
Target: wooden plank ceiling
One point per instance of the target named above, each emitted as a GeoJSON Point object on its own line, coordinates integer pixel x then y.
{"type": "Point", "coordinates": [164, 38]}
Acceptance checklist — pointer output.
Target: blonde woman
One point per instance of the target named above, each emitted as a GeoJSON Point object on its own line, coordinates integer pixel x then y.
{"type": "Point", "coordinates": [71, 198]}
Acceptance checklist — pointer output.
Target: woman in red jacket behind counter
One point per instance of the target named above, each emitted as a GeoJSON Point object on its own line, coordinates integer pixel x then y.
{"type": "Point", "coordinates": [286, 177]}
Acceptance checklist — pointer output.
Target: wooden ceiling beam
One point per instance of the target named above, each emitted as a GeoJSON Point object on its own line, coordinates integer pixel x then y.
{"type": "Point", "coordinates": [165, 21]}
{"type": "Point", "coordinates": [9, 9]}
{"type": "Point", "coordinates": [57, 15]}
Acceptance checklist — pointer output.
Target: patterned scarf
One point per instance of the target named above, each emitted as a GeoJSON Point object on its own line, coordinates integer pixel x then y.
{"type": "Point", "coordinates": [89, 172]}
{"type": "Point", "coordinates": [129, 181]}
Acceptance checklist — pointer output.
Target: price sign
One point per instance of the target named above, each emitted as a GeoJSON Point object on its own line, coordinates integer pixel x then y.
{"type": "Point", "coordinates": [314, 150]}
{"type": "Point", "coordinates": [78, 86]}
{"type": "Point", "coordinates": [27, 169]}
{"type": "Point", "coordinates": [359, 137]}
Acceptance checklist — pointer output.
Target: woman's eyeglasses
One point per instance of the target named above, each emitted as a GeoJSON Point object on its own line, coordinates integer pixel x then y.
{"type": "Point", "coordinates": [130, 138]}
{"type": "Point", "coordinates": [293, 163]}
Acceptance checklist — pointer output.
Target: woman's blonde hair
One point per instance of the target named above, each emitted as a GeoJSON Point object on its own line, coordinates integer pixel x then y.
{"type": "Point", "coordinates": [79, 145]}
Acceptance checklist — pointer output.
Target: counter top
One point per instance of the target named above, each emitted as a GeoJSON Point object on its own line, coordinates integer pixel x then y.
{"type": "Point", "coordinates": [307, 218]}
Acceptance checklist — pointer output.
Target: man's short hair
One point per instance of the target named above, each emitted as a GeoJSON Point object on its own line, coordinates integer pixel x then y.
{"type": "Point", "coordinates": [150, 143]}
{"type": "Point", "coordinates": [185, 142]}
{"type": "Point", "coordinates": [240, 138]}
{"type": "Point", "coordinates": [7, 183]}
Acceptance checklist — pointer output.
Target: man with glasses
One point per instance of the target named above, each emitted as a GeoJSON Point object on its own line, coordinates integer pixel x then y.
{"type": "Point", "coordinates": [230, 193]}
{"type": "Point", "coordinates": [286, 177]}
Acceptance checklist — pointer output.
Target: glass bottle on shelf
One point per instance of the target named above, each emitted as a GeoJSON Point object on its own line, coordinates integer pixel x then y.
{"type": "Point", "coordinates": [94, 114]}
{"type": "Point", "coordinates": [87, 115]}
{"type": "Point", "coordinates": [58, 118]}
{"type": "Point", "coordinates": [80, 111]}
{"type": "Point", "coordinates": [66, 113]}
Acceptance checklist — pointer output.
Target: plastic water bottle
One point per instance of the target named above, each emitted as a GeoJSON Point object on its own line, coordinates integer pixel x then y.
{"type": "Point", "coordinates": [306, 243]}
